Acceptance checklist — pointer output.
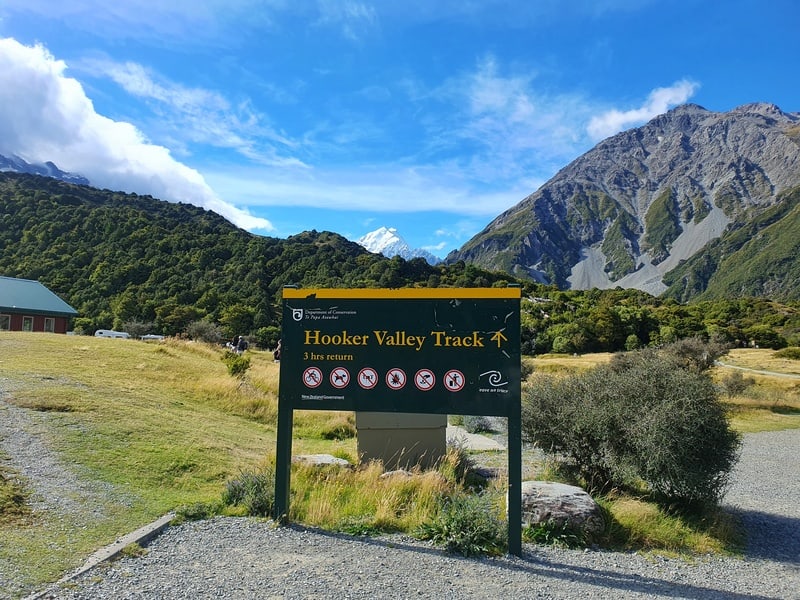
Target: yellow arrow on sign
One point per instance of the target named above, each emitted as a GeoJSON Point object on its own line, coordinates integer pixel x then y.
{"type": "Point", "coordinates": [499, 338]}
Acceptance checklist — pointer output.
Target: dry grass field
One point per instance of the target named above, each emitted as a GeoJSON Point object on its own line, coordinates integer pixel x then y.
{"type": "Point", "coordinates": [158, 425]}
{"type": "Point", "coordinates": [771, 398]}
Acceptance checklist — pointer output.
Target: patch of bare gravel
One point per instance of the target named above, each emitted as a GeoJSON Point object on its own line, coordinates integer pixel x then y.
{"type": "Point", "coordinates": [60, 495]}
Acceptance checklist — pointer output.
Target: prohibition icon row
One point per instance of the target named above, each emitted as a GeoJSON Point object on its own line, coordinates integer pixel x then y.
{"type": "Point", "coordinates": [395, 378]}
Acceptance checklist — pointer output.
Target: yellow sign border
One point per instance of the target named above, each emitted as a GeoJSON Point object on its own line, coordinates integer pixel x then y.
{"type": "Point", "coordinates": [398, 293]}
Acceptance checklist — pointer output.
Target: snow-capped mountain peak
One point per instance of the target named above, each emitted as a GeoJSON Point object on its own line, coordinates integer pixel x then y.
{"type": "Point", "coordinates": [386, 241]}
{"type": "Point", "coordinates": [380, 239]}
{"type": "Point", "coordinates": [16, 164]}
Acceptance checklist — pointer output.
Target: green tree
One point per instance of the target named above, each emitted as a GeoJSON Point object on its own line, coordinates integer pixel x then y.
{"type": "Point", "coordinates": [632, 342]}
{"type": "Point", "coordinates": [764, 336]}
{"type": "Point", "coordinates": [173, 318]}
{"type": "Point", "coordinates": [237, 319]}
{"type": "Point", "coordinates": [267, 337]}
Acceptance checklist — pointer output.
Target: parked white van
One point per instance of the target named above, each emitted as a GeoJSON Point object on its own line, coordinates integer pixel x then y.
{"type": "Point", "coordinates": [110, 333]}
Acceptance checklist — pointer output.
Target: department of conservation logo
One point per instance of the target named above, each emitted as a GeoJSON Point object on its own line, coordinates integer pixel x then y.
{"type": "Point", "coordinates": [297, 314]}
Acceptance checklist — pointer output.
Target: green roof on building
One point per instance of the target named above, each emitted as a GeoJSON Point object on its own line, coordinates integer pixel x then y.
{"type": "Point", "coordinates": [26, 295]}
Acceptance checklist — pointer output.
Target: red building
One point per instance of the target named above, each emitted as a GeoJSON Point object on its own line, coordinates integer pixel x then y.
{"type": "Point", "coordinates": [27, 305]}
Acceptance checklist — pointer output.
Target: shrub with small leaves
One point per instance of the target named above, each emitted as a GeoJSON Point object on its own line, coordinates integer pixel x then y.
{"type": "Point", "coordinates": [253, 490]}
{"type": "Point", "coordinates": [650, 416]}
{"type": "Point", "coordinates": [735, 383]}
{"type": "Point", "coordinates": [478, 424]}
{"type": "Point", "coordinates": [138, 328]}
{"type": "Point", "coordinates": [237, 364]}
{"type": "Point", "coordinates": [204, 331]}
{"type": "Point", "coordinates": [467, 524]}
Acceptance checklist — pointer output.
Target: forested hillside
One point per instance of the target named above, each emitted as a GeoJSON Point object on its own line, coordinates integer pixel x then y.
{"type": "Point", "coordinates": [121, 258]}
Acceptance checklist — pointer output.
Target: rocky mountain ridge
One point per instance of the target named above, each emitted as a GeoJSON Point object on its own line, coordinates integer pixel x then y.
{"type": "Point", "coordinates": [642, 202]}
{"type": "Point", "coordinates": [16, 164]}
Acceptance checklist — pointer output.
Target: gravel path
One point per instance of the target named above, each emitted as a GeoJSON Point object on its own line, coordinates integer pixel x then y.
{"type": "Point", "coordinates": [247, 558]}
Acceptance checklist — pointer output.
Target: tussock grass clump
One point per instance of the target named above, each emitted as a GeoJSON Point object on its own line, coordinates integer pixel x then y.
{"type": "Point", "coordinates": [197, 511]}
{"type": "Point", "coordinates": [324, 425]}
{"type": "Point", "coordinates": [360, 499]}
{"type": "Point", "coordinates": [133, 550]}
{"type": "Point", "coordinates": [560, 535]}
{"type": "Point", "coordinates": [634, 524]}
{"type": "Point", "coordinates": [237, 364]}
{"type": "Point", "coordinates": [433, 504]}
{"type": "Point", "coordinates": [456, 465]}
{"type": "Point", "coordinates": [341, 427]}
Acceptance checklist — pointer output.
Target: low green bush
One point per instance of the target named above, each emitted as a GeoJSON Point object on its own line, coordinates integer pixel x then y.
{"type": "Point", "coordinates": [467, 524]}
{"type": "Point", "coordinates": [554, 534]}
{"type": "Point", "coordinates": [735, 383]}
{"type": "Point", "coordinates": [478, 424]}
{"type": "Point", "coordinates": [792, 353]}
{"type": "Point", "coordinates": [237, 364]}
{"type": "Point", "coordinates": [650, 416]}
{"type": "Point", "coordinates": [252, 490]}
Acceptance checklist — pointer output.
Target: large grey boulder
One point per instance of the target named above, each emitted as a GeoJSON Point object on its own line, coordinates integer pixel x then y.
{"type": "Point", "coordinates": [561, 505]}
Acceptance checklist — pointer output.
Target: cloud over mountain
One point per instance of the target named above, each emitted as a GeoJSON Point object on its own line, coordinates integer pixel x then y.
{"type": "Point", "coordinates": [47, 116]}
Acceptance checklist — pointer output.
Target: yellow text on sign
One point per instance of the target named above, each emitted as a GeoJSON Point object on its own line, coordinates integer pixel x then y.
{"type": "Point", "coordinates": [440, 339]}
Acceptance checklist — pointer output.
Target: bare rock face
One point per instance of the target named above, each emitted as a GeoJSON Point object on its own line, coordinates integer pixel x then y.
{"type": "Point", "coordinates": [545, 502]}
{"type": "Point", "coordinates": [645, 200]}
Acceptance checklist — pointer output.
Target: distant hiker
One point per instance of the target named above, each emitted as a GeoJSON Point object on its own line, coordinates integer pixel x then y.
{"type": "Point", "coordinates": [277, 353]}
{"type": "Point", "coordinates": [241, 345]}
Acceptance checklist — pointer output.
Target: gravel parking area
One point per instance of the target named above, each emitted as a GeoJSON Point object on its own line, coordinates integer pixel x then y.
{"type": "Point", "coordinates": [248, 558]}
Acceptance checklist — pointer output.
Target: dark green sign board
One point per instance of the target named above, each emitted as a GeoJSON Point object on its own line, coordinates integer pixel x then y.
{"type": "Point", "coordinates": [413, 350]}
{"type": "Point", "coordinates": [445, 351]}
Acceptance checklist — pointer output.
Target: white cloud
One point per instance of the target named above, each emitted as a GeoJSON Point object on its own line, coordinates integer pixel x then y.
{"type": "Point", "coordinates": [377, 191]}
{"type": "Point", "coordinates": [659, 101]}
{"type": "Point", "coordinates": [354, 19]}
{"type": "Point", "coordinates": [199, 115]}
{"type": "Point", "coordinates": [517, 130]}
{"type": "Point", "coordinates": [435, 248]}
{"type": "Point", "coordinates": [47, 116]}
{"type": "Point", "coordinates": [159, 22]}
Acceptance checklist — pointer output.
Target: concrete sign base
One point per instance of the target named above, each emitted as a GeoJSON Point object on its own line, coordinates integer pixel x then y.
{"type": "Point", "coordinates": [401, 440]}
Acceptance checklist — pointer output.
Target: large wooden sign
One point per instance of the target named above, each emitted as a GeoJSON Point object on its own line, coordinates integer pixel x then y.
{"type": "Point", "coordinates": [412, 350]}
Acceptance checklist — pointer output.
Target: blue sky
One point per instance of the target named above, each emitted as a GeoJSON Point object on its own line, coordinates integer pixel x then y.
{"type": "Point", "coordinates": [431, 116]}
